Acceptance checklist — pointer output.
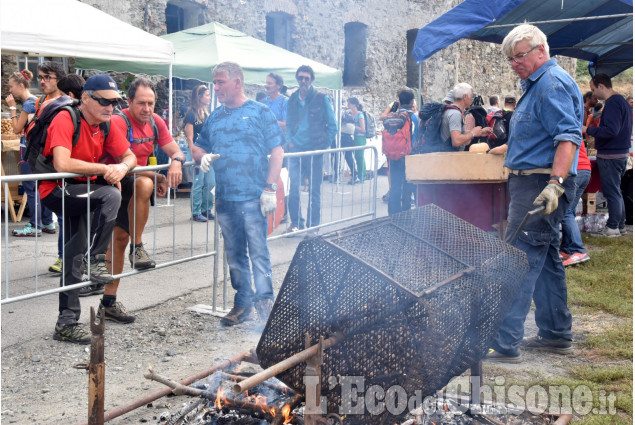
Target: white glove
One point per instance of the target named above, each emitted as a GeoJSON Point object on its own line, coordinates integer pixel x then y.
{"type": "Point", "coordinates": [207, 161]}
{"type": "Point", "coordinates": [268, 202]}
{"type": "Point", "coordinates": [549, 197]}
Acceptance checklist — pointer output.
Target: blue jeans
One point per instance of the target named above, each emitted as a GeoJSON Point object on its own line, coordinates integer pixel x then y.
{"type": "Point", "coordinates": [201, 197]}
{"type": "Point", "coordinates": [611, 172]}
{"type": "Point", "coordinates": [245, 236]}
{"type": "Point", "coordinates": [400, 190]}
{"type": "Point", "coordinates": [297, 168]}
{"type": "Point", "coordinates": [545, 281]}
{"type": "Point", "coordinates": [571, 238]}
{"type": "Point", "coordinates": [44, 215]}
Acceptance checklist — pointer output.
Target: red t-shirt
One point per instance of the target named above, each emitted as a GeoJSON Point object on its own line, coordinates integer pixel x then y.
{"type": "Point", "coordinates": [141, 131]}
{"type": "Point", "coordinates": [90, 146]}
{"type": "Point", "coordinates": [583, 159]}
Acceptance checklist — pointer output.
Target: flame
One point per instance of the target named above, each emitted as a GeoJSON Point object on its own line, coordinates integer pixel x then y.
{"type": "Point", "coordinates": [286, 410]}
{"type": "Point", "coordinates": [220, 399]}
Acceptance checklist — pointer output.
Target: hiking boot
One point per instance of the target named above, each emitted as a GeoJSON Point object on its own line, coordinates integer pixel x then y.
{"type": "Point", "coordinates": [494, 356]}
{"type": "Point", "coordinates": [199, 217]}
{"type": "Point", "coordinates": [27, 230]}
{"type": "Point", "coordinates": [49, 228]}
{"type": "Point", "coordinates": [89, 290]}
{"type": "Point", "coordinates": [538, 343]}
{"type": "Point", "coordinates": [608, 233]}
{"type": "Point", "coordinates": [56, 267]}
{"type": "Point", "coordinates": [71, 333]}
{"type": "Point", "coordinates": [576, 258]}
{"type": "Point", "coordinates": [623, 231]}
{"type": "Point", "coordinates": [209, 215]}
{"type": "Point", "coordinates": [238, 315]}
{"type": "Point", "coordinates": [263, 307]}
{"type": "Point", "coordinates": [139, 259]}
{"type": "Point", "coordinates": [99, 273]}
{"type": "Point", "coordinates": [116, 312]}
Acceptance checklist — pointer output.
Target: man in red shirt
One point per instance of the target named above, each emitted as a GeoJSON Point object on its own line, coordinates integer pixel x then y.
{"type": "Point", "coordinates": [69, 197]}
{"type": "Point", "coordinates": [137, 123]}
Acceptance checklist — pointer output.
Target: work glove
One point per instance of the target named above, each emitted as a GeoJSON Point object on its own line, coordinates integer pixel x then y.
{"type": "Point", "coordinates": [268, 202]}
{"type": "Point", "coordinates": [549, 197]}
{"type": "Point", "coordinates": [207, 161]}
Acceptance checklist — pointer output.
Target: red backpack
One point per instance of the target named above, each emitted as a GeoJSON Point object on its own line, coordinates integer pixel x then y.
{"type": "Point", "coordinates": [397, 135]}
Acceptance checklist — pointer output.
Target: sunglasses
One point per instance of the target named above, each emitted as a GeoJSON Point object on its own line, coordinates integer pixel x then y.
{"type": "Point", "coordinates": [46, 77]}
{"type": "Point", "coordinates": [105, 102]}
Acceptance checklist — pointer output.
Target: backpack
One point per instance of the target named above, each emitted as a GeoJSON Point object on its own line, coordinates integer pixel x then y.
{"type": "Point", "coordinates": [480, 120]}
{"type": "Point", "coordinates": [153, 124]}
{"type": "Point", "coordinates": [396, 136]}
{"type": "Point", "coordinates": [371, 128]}
{"type": "Point", "coordinates": [429, 137]}
{"type": "Point", "coordinates": [499, 122]}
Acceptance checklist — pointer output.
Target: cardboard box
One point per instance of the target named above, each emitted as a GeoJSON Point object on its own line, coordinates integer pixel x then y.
{"type": "Point", "coordinates": [455, 167]}
{"type": "Point", "coordinates": [588, 203]}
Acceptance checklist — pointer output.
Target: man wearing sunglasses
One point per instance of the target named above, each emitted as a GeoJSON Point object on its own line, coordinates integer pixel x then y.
{"type": "Point", "coordinates": [542, 155]}
{"type": "Point", "coordinates": [69, 197]}
{"type": "Point", "coordinates": [311, 125]}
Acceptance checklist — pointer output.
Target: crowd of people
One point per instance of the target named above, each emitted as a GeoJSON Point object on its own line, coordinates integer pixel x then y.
{"type": "Point", "coordinates": [239, 151]}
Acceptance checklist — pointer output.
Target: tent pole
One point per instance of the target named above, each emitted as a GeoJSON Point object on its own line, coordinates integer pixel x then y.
{"type": "Point", "coordinates": [170, 117]}
{"type": "Point", "coordinates": [558, 21]}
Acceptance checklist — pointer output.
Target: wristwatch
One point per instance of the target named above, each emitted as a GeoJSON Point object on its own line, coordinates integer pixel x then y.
{"type": "Point", "coordinates": [181, 160]}
{"type": "Point", "coordinates": [560, 180]}
{"type": "Point", "coordinates": [272, 186]}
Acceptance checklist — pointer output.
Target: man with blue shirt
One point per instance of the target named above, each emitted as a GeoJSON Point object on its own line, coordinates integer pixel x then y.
{"type": "Point", "coordinates": [613, 143]}
{"type": "Point", "coordinates": [311, 125]}
{"type": "Point", "coordinates": [237, 138]}
{"type": "Point", "coordinates": [545, 133]}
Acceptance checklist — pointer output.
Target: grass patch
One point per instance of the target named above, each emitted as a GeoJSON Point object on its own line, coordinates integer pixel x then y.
{"type": "Point", "coordinates": [615, 342]}
{"type": "Point", "coordinates": [606, 282]}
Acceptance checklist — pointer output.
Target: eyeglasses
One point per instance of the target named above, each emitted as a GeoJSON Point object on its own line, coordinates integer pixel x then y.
{"type": "Point", "coordinates": [105, 102]}
{"type": "Point", "coordinates": [521, 56]}
{"type": "Point", "coordinates": [46, 77]}
{"type": "Point", "coordinates": [303, 78]}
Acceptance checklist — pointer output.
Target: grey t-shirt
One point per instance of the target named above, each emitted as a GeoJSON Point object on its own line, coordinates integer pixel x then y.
{"type": "Point", "coordinates": [452, 120]}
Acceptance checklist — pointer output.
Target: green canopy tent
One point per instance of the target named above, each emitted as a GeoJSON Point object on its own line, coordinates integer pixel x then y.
{"type": "Point", "coordinates": [199, 49]}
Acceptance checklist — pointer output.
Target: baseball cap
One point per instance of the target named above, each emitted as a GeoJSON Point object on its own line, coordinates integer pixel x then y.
{"type": "Point", "coordinates": [449, 97]}
{"type": "Point", "coordinates": [103, 86]}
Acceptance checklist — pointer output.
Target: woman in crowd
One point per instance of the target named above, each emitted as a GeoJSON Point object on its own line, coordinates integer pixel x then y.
{"type": "Point", "coordinates": [360, 135]}
{"type": "Point", "coordinates": [19, 83]}
{"type": "Point", "coordinates": [201, 198]}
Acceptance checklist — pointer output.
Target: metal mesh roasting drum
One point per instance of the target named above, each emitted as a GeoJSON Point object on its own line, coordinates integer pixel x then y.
{"type": "Point", "coordinates": [418, 297]}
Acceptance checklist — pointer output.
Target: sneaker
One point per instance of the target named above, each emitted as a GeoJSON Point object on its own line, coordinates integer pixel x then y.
{"type": "Point", "coordinates": [99, 273]}
{"type": "Point", "coordinates": [292, 229]}
{"type": "Point", "coordinates": [200, 218]}
{"type": "Point", "coordinates": [623, 231]}
{"type": "Point", "coordinates": [576, 258]}
{"type": "Point", "coordinates": [238, 315]}
{"type": "Point", "coordinates": [139, 259]}
{"type": "Point", "coordinates": [608, 232]}
{"type": "Point", "coordinates": [558, 346]}
{"type": "Point", "coordinates": [563, 255]}
{"type": "Point", "coordinates": [27, 230]}
{"type": "Point", "coordinates": [209, 215]}
{"type": "Point", "coordinates": [56, 267]}
{"type": "Point", "coordinates": [89, 290]}
{"type": "Point", "coordinates": [116, 312]}
{"type": "Point", "coordinates": [49, 228]}
{"type": "Point", "coordinates": [71, 333]}
{"type": "Point", "coordinates": [263, 307]}
{"type": "Point", "coordinates": [494, 356]}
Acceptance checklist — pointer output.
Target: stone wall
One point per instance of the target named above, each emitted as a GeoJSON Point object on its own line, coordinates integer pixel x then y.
{"type": "Point", "coordinates": [319, 35]}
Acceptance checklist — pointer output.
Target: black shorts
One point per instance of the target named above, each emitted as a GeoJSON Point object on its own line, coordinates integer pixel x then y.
{"type": "Point", "coordinates": [127, 189]}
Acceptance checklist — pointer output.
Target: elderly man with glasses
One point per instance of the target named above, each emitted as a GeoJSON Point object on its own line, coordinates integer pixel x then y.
{"type": "Point", "coordinates": [69, 197]}
{"type": "Point", "coordinates": [311, 125]}
{"type": "Point", "coordinates": [542, 155]}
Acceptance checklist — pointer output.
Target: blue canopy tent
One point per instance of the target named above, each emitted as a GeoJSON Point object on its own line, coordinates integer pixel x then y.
{"type": "Point", "coordinates": [598, 31]}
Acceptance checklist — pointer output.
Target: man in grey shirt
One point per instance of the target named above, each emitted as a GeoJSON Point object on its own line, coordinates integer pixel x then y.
{"type": "Point", "coordinates": [452, 124]}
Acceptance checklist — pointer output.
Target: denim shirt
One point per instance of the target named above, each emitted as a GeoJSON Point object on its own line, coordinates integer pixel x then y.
{"type": "Point", "coordinates": [550, 110]}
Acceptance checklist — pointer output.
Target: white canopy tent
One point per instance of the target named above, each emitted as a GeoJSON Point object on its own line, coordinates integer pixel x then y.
{"type": "Point", "coordinates": [63, 28]}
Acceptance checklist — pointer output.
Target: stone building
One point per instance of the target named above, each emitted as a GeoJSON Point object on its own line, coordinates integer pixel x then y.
{"type": "Point", "coordinates": [370, 40]}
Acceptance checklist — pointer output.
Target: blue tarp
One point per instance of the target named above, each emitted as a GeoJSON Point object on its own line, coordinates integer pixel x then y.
{"type": "Point", "coordinates": [607, 43]}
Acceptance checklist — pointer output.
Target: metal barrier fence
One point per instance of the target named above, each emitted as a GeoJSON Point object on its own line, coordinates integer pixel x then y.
{"type": "Point", "coordinates": [341, 203]}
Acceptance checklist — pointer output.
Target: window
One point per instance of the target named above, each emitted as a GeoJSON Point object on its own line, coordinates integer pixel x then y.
{"type": "Point", "coordinates": [174, 18]}
{"type": "Point", "coordinates": [412, 79]}
{"type": "Point", "coordinates": [279, 29]}
{"type": "Point", "coordinates": [355, 34]}
{"type": "Point", "coordinates": [183, 14]}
